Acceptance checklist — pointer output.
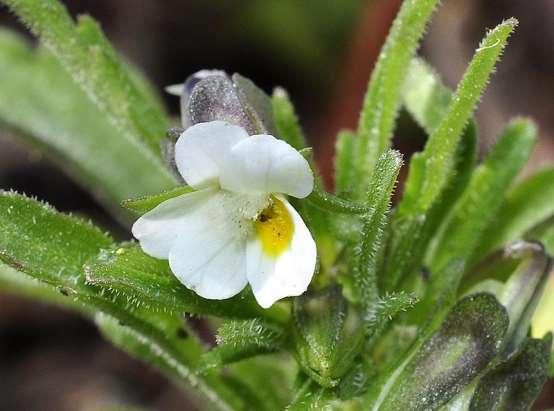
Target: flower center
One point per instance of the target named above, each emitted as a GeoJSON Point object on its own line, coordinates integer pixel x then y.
{"type": "Point", "coordinates": [274, 228]}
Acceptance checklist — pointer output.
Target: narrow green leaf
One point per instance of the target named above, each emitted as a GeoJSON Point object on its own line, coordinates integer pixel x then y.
{"type": "Point", "coordinates": [237, 340]}
{"type": "Point", "coordinates": [344, 163]}
{"type": "Point", "coordinates": [53, 247]}
{"type": "Point", "coordinates": [525, 205]}
{"type": "Point", "coordinates": [483, 196]}
{"type": "Point", "coordinates": [86, 55]}
{"type": "Point", "coordinates": [438, 155]}
{"type": "Point", "coordinates": [144, 204]}
{"type": "Point", "coordinates": [382, 99]}
{"type": "Point", "coordinates": [515, 384]}
{"type": "Point", "coordinates": [36, 96]}
{"type": "Point", "coordinates": [427, 100]}
{"type": "Point", "coordinates": [379, 195]}
{"type": "Point", "coordinates": [437, 369]}
{"type": "Point", "coordinates": [148, 281]}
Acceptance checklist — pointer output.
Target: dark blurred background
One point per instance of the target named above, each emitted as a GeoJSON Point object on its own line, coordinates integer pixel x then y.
{"type": "Point", "coordinates": [322, 51]}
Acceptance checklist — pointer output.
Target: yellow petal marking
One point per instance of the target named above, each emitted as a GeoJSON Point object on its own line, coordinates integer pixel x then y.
{"type": "Point", "coordinates": [274, 228]}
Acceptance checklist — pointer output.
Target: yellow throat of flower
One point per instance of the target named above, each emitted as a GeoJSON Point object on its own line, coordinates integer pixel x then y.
{"type": "Point", "coordinates": [274, 228]}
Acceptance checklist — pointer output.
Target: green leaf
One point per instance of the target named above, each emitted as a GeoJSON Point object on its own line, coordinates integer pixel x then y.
{"type": "Point", "coordinates": [438, 156]}
{"type": "Point", "coordinates": [379, 195]}
{"type": "Point", "coordinates": [144, 280]}
{"type": "Point", "coordinates": [439, 367]}
{"type": "Point", "coordinates": [427, 100]}
{"type": "Point", "coordinates": [484, 194]}
{"type": "Point", "coordinates": [515, 384]}
{"type": "Point", "coordinates": [382, 99]}
{"type": "Point", "coordinates": [144, 204]}
{"type": "Point", "coordinates": [93, 64]}
{"type": "Point", "coordinates": [286, 120]}
{"type": "Point", "coordinates": [524, 206]}
{"type": "Point", "coordinates": [36, 96]}
{"type": "Point", "coordinates": [326, 335]}
{"type": "Point", "coordinates": [53, 247]}
{"type": "Point", "coordinates": [344, 163]}
{"type": "Point", "coordinates": [237, 340]}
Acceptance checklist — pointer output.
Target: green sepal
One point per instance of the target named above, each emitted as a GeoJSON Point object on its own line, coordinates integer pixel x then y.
{"type": "Point", "coordinates": [142, 205]}
{"type": "Point", "coordinates": [326, 336]}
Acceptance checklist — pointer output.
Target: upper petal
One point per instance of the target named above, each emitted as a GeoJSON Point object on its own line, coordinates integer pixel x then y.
{"type": "Point", "coordinates": [158, 229]}
{"type": "Point", "coordinates": [289, 273]}
{"type": "Point", "coordinates": [264, 164]}
{"type": "Point", "coordinates": [200, 150]}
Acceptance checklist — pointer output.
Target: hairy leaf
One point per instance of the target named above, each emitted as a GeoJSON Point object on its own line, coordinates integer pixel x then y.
{"type": "Point", "coordinates": [379, 195]}
{"type": "Point", "coordinates": [431, 177]}
{"type": "Point", "coordinates": [427, 100]}
{"type": "Point", "coordinates": [382, 99]}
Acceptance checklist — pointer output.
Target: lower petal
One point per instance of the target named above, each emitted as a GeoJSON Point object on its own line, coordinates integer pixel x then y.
{"type": "Point", "coordinates": [289, 273]}
{"type": "Point", "coordinates": [209, 257]}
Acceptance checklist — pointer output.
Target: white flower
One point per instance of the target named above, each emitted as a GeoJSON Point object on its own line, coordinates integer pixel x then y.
{"type": "Point", "coordinates": [238, 227]}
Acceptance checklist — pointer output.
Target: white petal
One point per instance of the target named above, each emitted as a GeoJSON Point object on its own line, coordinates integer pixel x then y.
{"type": "Point", "coordinates": [210, 255]}
{"type": "Point", "coordinates": [264, 164]}
{"type": "Point", "coordinates": [288, 274]}
{"type": "Point", "coordinates": [158, 229]}
{"type": "Point", "coordinates": [200, 150]}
